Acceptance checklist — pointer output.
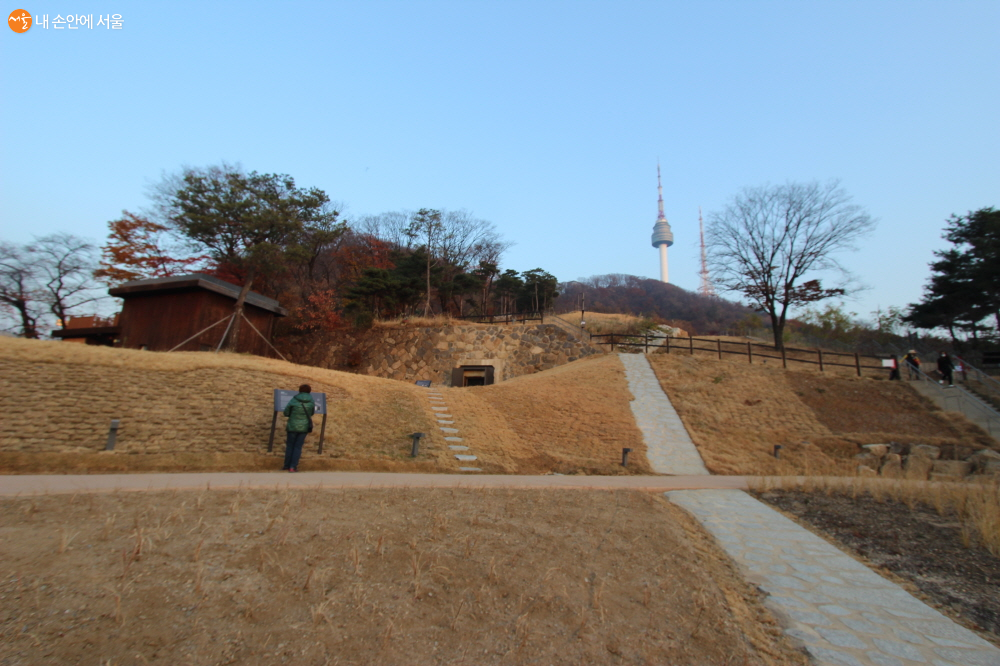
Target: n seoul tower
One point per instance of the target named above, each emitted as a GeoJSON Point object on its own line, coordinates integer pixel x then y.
{"type": "Point", "coordinates": [662, 236]}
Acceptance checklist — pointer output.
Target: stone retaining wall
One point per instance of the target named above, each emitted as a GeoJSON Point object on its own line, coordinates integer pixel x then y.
{"type": "Point", "coordinates": [410, 354]}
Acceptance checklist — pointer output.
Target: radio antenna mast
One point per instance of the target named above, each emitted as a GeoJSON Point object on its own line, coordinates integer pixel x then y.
{"type": "Point", "coordinates": [706, 288]}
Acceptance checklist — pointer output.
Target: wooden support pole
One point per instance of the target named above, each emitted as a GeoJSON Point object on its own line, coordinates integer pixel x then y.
{"type": "Point", "coordinates": [719, 343]}
{"type": "Point", "coordinates": [749, 353]}
{"type": "Point", "coordinates": [646, 339]}
{"type": "Point", "coordinates": [857, 363]}
{"type": "Point", "coordinates": [668, 344]}
{"type": "Point", "coordinates": [322, 433]}
{"type": "Point", "coordinates": [820, 352]}
{"type": "Point", "coordinates": [784, 360]}
{"type": "Point", "coordinates": [691, 344]}
{"type": "Point", "coordinates": [270, 440]}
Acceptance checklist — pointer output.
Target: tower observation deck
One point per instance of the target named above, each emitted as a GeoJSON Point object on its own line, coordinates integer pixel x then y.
{"type": "Point", "coordinates": [663, 237]}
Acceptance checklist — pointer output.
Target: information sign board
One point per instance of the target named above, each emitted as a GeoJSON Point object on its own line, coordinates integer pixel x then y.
{"type": "Point", "coordinates": [281, 399]}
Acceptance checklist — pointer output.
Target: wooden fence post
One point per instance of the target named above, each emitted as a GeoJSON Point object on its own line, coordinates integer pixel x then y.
{"type": "Point", "coordinates": [612, 342]}
{"type": "Point", "coordinates": [820, 352]}
{"type": "Point", "coordinates": [691, 344]}
{"type": "Point", "coordinates": [749, 353]}
{"type": "Point", "coordinates": [668, 344]}
{"type": "Point", "coordinates": [784, 360]}
{"type": "Point", "coordinates": [857, 363]}
{"type": "Point", "coordinates": [646, 338]}
{"type": "Point", "coordinates": [719, 343]}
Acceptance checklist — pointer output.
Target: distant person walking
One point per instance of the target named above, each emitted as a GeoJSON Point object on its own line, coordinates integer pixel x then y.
{"type": "Point", "coordinates": [946, 367]}
{"type": "Point", "coordinates": [912, 364]}
{"type": "Point", "coordinates": [299, 411]}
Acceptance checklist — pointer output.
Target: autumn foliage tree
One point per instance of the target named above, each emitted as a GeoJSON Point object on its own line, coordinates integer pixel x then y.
{"type": "Point", "coordinates": [139, 248]}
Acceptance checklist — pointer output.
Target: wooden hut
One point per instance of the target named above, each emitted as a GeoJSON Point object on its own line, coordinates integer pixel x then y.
{"type": "Point", "coordinates": [90, 329]}
{"type": "Point", "coordinates": [161, 313]}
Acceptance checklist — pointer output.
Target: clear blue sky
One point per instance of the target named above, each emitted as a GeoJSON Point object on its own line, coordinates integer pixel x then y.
{"type": "Point", "coordinates": [546, 118]}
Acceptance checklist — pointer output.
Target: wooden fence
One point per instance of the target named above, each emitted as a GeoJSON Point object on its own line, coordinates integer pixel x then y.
{"type": "Point", "coordinates": [749, 350]}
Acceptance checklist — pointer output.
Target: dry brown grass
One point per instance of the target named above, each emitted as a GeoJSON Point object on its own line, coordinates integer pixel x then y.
{"type": "Point", "coordinates": [435, 321]}
{"type": "Point", "coordinates": [736, 413]}
{"type": "Point", "coordinates": [975, 503]}
{"type": "Point", "coordinates": [571, 419]}
{"type": "Point", "coordinates": [199, 411]}
{"type": "Point", "coordinates": [197, 403]}
{"type": "Point", "coordinates": [372, 577]}
{"type": "Point", "coordinates": [599, 323]}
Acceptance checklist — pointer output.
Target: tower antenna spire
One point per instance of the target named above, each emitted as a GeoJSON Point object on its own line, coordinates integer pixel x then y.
{"type": "Point", "coordinates": [706, 288]}
{"type": "Point", "coordinates": [663, 237]}
{"type": "Point", "coordinates": [659, 190]}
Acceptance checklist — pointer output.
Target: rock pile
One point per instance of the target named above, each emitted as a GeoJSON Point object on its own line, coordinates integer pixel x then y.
{"type": "Point", "coordinates": [922, 461]}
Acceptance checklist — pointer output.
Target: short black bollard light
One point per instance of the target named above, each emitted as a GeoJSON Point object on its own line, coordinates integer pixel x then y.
{"type": "Point", "coordinates": [112, 435]}
{"type": "Point", "coordinates": [777, 451]}
{"type": "Point", "coordinates": [625, 453]}
{"type": "Point", "coordinates": [416, 444]}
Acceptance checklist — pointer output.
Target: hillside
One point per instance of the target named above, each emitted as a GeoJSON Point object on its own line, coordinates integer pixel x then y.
{"type": "Point", "coordinates": [213, 411]}
{"type": "Point", "coordinates": [628, 294]}
{"type": "Point", "coordinates": [736, 413]}
{"type": "Point", "coordinates": [202, 411]}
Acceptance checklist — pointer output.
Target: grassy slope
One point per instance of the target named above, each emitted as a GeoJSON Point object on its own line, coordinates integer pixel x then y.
{"type": "Point", "coordinates": [213, 411]}
{"type": "Point", "coordinates": [737, 412]}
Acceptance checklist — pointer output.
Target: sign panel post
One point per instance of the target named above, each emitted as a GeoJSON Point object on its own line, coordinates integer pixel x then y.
{"type": "Point", "coordinates": [281, 400]}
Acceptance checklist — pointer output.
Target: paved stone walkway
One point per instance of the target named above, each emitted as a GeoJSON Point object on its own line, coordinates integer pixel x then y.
{"type": "Point", "coordinates": [842, 611]}
{"type": "Point", "coordinates": [668, 446]}
{"type": "Point", "coordinates": [445, 421]}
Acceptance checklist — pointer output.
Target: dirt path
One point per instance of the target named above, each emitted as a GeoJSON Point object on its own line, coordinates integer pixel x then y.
{"type": "Point", "coordinates": [40, 484]}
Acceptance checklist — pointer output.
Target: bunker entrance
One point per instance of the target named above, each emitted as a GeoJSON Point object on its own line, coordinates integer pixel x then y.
{"type": "Point", "coordinates": [472, 375]}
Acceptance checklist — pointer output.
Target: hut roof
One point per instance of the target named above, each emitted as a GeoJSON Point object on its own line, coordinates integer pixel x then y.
{"type": "Point", "coordinates": [177, 283]}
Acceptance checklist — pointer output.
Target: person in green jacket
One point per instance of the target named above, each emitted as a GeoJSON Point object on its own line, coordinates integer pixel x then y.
{"type": "Point", "coordinates": [299, 411]}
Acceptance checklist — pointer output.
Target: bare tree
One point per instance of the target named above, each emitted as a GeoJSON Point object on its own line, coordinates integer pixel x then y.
{"type": "Point", "coordinates": [770, 242]}
{"type": "Point", "coordinates": [427, 225]}
{"type": "Point", "coordinates": [66, 266]}
{"type": "Point", "coordinates": [391, 228]}
{"type": "Point", "coordinates": [466, 240]}
{"type": "Point", "coordinates": [18, 287]}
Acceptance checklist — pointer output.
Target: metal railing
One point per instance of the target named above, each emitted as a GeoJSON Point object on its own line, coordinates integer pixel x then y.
{"type": "Point", "coordinates": [958, 399]}
{"type": "Point", "coordinates": [979, 382]}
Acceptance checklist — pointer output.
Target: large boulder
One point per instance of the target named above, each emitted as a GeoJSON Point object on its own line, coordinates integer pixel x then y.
{"type": "Point", "coordinates": [925, 451]}
{"type": "Point", "coordinates": [944, 470]}
{"type": "Point", "coordinates": [892, 466]}
{"type": "Point", "coordinates": [917, 467]}
{"type": "Point", "coordinates": [877, 450]}
{"type": "Point", "coordinates": [867, 460]}
{"type": "Point", "coordinates": [985, 461]}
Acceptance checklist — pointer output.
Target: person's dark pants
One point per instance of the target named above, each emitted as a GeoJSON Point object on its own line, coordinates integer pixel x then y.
{"type": "Point", "coordinates": [946, 376]}
{"type": "Point", "coordinates": [293, 448]}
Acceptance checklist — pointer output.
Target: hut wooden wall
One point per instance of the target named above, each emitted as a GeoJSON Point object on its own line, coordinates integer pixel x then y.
{"type": "Point", "coordinates": [162, 320]}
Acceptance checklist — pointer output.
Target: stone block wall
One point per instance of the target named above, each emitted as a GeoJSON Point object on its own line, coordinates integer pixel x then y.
{"type": "Point", "coordinates": [410, 354]}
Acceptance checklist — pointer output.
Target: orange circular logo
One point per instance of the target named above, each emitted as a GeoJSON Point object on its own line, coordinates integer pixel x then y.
{"type": "Point", "coordinates": [19, 20]}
